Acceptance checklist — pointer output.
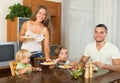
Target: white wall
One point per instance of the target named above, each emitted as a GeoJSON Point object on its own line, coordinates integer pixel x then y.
{"type": "Point", "coordinates": [118, 24]}
{"type": "Point", "coordinates": [3, 12]}
{"type": "Point", "coordinates": [55, 0]}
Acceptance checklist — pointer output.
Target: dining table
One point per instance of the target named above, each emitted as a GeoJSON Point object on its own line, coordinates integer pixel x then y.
{"type": "Point", "coordinates": [59, 75]}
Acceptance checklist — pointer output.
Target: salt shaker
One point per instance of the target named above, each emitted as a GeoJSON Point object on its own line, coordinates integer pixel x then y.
{"type": "Point", "coordinates": [87, 71]}
{"type": "Point", "coordinates": [91, 70]}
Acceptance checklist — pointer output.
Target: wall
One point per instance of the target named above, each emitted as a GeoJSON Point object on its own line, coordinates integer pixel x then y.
{"type": "Point", "coordinates": [55, 0]}
{"type": "Point", "coordinates": [118, 24]}
{"type": "Point", "coordinates": [3, 12]}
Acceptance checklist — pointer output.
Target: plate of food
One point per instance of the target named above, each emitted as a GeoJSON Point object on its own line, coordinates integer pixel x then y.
{"type": "Point", "coordinates": [28, 37]}
{"type": "Point", "coordinates": [48, 63]}
{"type": "Point", "coordinates": [65, 66]}
{"type": "Point", "coordinates": [95, 69]}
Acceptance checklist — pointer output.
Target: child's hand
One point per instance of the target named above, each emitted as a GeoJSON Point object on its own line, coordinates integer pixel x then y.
{"type": "Point", "coordinates": [56, 60]}
{"type": "Point", "coordinates": [38, 69]}
{"type": "Point", "coordinates": [29, 68]}
{"type": "Point", "coordinates": [63, 59]}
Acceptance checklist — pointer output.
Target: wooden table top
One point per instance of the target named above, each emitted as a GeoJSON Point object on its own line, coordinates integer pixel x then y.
{"type": "Point", "coordinates": [60, 76]}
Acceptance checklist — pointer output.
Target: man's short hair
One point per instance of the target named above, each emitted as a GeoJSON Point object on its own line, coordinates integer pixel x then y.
{"type": "Point", "coordinates": [102, 25]}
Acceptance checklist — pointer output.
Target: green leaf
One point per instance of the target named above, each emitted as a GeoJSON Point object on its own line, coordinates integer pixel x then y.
{"type": "Point", "coordinates": [18, 10]}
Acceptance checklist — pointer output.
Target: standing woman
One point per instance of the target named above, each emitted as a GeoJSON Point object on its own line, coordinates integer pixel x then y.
{"type": "Point", "coordinates": [35, 32]}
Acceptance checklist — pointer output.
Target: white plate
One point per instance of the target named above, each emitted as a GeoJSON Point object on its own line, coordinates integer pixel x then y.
{"type": "Point", "coordinates": [47, 63]}
{"type": "Point", "coordinates": [65, 67]}
{"type": "Point", "coordinates": [27, 37]}
{"type": "Point", "coordinates": [95, 68]}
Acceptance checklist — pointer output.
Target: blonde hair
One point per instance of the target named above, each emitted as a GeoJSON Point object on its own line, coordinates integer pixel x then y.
{"type": "Point", "coordinates": [21, 54]}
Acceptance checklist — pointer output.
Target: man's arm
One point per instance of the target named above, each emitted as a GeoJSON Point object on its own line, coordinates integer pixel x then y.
{"type": "Point", "coordinates": [83, 61]}
{"type": "Point", "coordinates": [114, 67]}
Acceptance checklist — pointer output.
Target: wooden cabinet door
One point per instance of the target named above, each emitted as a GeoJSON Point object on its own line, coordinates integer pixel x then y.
{"type": "Point", "coordinates": [13, 28]}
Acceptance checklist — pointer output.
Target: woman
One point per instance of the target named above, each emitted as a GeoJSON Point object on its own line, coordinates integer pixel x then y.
{"type": "Point", "coordinates": [35, 32]}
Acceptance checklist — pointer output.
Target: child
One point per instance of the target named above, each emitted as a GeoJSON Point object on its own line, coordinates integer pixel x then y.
{"type": "Point", "coordinates": [24, 66]}
{"type": "Point", "coordinates": [62, 55]}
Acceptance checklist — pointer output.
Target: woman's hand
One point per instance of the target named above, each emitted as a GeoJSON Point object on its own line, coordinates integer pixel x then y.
{"type": "Point", "coordinates": [25, 38]}
{"type": "Point", "coordinates": [48, 60]}
{"type": "Point", "coordinates": [21, 38]}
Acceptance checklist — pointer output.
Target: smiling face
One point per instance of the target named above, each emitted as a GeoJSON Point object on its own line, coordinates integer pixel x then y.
{"type": "Point", "coordinates": [63, 54]}
{"type": "Point", "coordinates": [41, 15]}
{"type": "Point", "coordinates": [100, 34]}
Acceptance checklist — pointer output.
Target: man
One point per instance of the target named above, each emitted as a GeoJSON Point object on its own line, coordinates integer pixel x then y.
{"type": "Point", "coordinates": [103, 54]}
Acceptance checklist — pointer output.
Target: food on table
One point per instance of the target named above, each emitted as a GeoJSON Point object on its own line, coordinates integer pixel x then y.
{"type": "Point", "coordinates": [64, 66]}
{"type": "Point", "coordinates": [48, 63]}
{"type": "Point", "coordinates": [77, 73]}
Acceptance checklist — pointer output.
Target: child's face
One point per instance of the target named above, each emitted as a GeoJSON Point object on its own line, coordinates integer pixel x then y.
{"type": "Point", "coordinates": [63, 54]}
{"type": "Point", "coordinates": [25, 60]}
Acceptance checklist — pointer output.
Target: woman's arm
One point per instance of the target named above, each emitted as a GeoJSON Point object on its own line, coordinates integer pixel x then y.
{"type": "Point", "coordinates": [22, 32]}
{"type": "Point", "coordinates": [46, 46]}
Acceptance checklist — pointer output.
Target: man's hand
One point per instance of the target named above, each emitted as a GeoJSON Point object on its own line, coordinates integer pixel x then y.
{"type": "Point", "coordinates": [99, 64]}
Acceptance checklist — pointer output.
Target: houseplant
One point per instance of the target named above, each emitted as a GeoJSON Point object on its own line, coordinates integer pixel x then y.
{"type": "Point", "coordinates": [18, 10]}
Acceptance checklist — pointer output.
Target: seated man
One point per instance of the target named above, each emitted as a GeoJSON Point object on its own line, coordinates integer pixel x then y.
{"type": "Point", "coordinates": [103, 54]}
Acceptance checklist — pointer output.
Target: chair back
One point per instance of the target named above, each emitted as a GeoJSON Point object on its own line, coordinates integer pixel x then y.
{"type": "Point", "coordinates": [38, 59]}
{"type": "Point", "coordinates": [13, 65]}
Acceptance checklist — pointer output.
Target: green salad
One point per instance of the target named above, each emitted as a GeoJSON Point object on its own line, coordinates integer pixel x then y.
{"type": "Point", "coordinates": [77, 73]}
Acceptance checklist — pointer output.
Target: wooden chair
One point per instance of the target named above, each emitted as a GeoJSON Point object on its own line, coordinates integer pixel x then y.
{"type": "Point", "coordinates": [13, 65]}
{"type": "Point", "coordinates": [35, 63]}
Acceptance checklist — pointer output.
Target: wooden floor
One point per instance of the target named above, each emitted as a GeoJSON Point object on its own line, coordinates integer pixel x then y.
{"type": "Point", "coordinates": [5, 72]}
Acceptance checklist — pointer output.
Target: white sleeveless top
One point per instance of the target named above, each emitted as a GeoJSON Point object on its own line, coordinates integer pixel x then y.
{"type": "Point", "coordinates": [33, 45]}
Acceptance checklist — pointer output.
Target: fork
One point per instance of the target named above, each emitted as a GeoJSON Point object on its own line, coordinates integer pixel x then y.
{"type": "Point", "coordinates": [69, 71]}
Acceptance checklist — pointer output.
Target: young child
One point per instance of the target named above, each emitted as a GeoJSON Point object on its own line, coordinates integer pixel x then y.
{"type": "Point", "coordinates": [62, 56]}
{"type": "Point", "coordinates": [24, 66]}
